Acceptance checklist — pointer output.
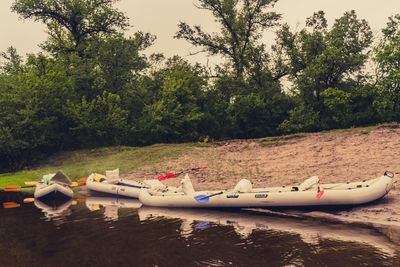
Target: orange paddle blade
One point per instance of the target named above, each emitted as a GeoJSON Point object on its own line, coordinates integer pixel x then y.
{"type": "Point", "coordinates": [82, 181]}
{"type": "Point", "coordinates": [82, 198]}
{"type": "Point", "coordinates": [10, 205]}
{"type": "Point", "coordinates": [12, 187]}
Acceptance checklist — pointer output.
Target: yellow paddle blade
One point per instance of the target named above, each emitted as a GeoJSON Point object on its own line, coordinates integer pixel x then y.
{"type": "Point", "coordinates": [74, 184]}
{"type": "Point", "coordinates": [31, 183]}
{"type": "Point", "coordinates": [29, 200]}
{"type": "Point", "coordinates": [74, 202]}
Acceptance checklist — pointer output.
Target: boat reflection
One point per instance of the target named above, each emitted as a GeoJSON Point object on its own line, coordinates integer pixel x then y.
{"type": "Point", "coordinates": [246, 222]}
{"type": "Point", "coordinates": [56, 210]}
{"type": "Point", "coordinates": [111, 205]}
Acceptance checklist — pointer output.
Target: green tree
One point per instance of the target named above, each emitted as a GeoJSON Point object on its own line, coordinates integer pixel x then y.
{"type": "Point", "coordinates": [32, 124]}
{"type": "Point", "coordinates": [71, 22]}
{"type": "Point", "coordinates": [387, 57]}
{"type": "Point", "coordinates": [320, 58]}
{"type": "Point", "coordinates": [177, 111]}
{"type": "Point", "coordinates": [242, 24]}
{"type": "Point", "coordinates": [99, 122]}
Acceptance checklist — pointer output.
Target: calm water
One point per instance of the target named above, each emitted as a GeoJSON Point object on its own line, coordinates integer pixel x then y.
{"type": "Point", "coordinates": [105, 231]}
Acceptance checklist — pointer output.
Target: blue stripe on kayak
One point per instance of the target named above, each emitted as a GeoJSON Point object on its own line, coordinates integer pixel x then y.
{"type": "Point", "coordinates": [134, 186]}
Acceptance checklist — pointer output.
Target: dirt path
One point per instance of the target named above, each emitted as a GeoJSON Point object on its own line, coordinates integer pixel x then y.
{"type": "Point", "coordinates": [335, 156]}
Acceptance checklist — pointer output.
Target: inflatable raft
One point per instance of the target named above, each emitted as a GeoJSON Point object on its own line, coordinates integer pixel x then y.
{"type": "Point", "coordinates": [310, 193]}
{"type": "Point", "coordinates": [54, 186]}
{"type": "Point", "coordinates": [112, 184]}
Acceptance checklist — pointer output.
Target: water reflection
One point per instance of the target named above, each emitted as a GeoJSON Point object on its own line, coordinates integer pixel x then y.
{"type": "Point", "coordinates": [106, 231]}
{"type": "Point", "coordinates": [111, 205]}
{"type": "Point", "coordinates": [246, 223]}
{"type": "Point", "coordinates": [54, 209]}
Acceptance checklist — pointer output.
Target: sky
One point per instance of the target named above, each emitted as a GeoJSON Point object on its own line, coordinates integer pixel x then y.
{"type": "Point", "coordinates": [161, 17]}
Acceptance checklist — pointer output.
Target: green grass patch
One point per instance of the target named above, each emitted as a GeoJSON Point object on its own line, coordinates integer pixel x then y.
{"type": "Point", "coordinates": [79, 164]}
{"type": "Point", "coordinates": [280, 140]}
{"type": "Point", "coordinates": [18, 178]}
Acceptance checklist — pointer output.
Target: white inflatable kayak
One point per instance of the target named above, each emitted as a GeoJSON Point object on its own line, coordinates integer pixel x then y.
{"type": "Point", "coordinates": [112, 184]}
{"type": "Point", "coordinates": [54, 186]}
{"type": "Point", "coordinates": [309, 193]}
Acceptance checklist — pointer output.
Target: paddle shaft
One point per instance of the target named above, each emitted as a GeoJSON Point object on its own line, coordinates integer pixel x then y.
{"type": "Point", "coordinates": [205, 198]}
{"type": "Point", "coordinates": [171, 175]}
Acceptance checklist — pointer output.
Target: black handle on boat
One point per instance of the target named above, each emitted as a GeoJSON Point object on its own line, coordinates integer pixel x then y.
{"type": "Point", "coordinates": [389, 174]}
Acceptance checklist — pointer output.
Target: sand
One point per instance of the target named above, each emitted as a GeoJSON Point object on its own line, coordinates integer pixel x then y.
{"type": "Point", "coordinates": [334, 156]}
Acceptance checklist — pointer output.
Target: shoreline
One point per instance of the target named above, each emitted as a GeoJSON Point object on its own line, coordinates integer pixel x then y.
{"type": "Point", "coordinates": [335, 156]}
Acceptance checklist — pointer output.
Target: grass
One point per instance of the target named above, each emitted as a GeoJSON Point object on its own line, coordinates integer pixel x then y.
{"type": "Point", "coordinates": [79, 164]}
{"type": "Point", "coordinates": [280, 140]}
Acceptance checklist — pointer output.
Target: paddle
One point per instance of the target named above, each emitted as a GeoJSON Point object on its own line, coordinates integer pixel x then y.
{"type": "Point", "coordinates": [29, 200]}
{"type": "Point", "coordinates": [16, 187]}
{"type": "Point", "coordinates": [319, 192]}
{"type": "Point", "coordinates": [82, 181]}
{"type": "Point", "coordinates": [81, 198]}
{"type": "Point", "coordinates": [10, 205]}
{"type": "Point", "coordinates": [31, 183]}
{"type": "Point", "coordinates": [205, 198]}
{"type": "Point", "coordinates": [171, 175]}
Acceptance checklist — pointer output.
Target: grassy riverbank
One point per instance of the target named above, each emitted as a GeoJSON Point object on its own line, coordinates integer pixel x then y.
{"type": "Point", "coordinates": [353, 153]}
{"type": "Point", "coordinates": [79, 164]}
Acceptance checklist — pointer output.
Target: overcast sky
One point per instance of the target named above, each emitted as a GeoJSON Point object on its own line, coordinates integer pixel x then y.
{"type": "Point", "coordinates": [160, 17]}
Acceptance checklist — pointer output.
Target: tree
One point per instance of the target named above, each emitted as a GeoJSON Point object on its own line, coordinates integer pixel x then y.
{"type": "Point", "coordinates": [32, 124]}
{"type": "Point", "coordinates": [387, 57]}
{"type": "Point", "coordinates": [242, 24]}
{"type": "Point", "coordinates": [176, 111]}
{"type": "Point", "coordinates": [99, 122]}
{"type": "Point", "coordinates": [322, 58]}
{"type": "Point", "coordinates": [71, 22]}
{"type": "Point", "coordinates": [119, 60]}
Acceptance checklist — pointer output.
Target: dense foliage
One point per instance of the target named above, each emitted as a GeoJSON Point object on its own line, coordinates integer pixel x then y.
{"type": "Point", "coordinates": [92, 85]}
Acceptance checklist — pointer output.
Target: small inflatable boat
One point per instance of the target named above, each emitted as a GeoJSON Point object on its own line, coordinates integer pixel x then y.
{"type": "Point", "coordinates": [112, 184]}
{"type": "Point", "coordinates": [310, 193]}
{"type": "Point", "coordinates": [54, 186]}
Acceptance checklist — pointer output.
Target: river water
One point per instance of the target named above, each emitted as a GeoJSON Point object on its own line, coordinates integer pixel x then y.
{"type": "Point", "coordinates": [105, 231]}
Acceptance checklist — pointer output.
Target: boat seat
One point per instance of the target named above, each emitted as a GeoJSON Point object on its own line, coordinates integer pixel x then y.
{"type": "Point", "coordinates": [308, 183]}
{"type": "Point", "coordinates": [244, 186]}
{"type": "Point", "coordinates": [187, 186]}
{"type": "Point", "coordinates": [111, 175]}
